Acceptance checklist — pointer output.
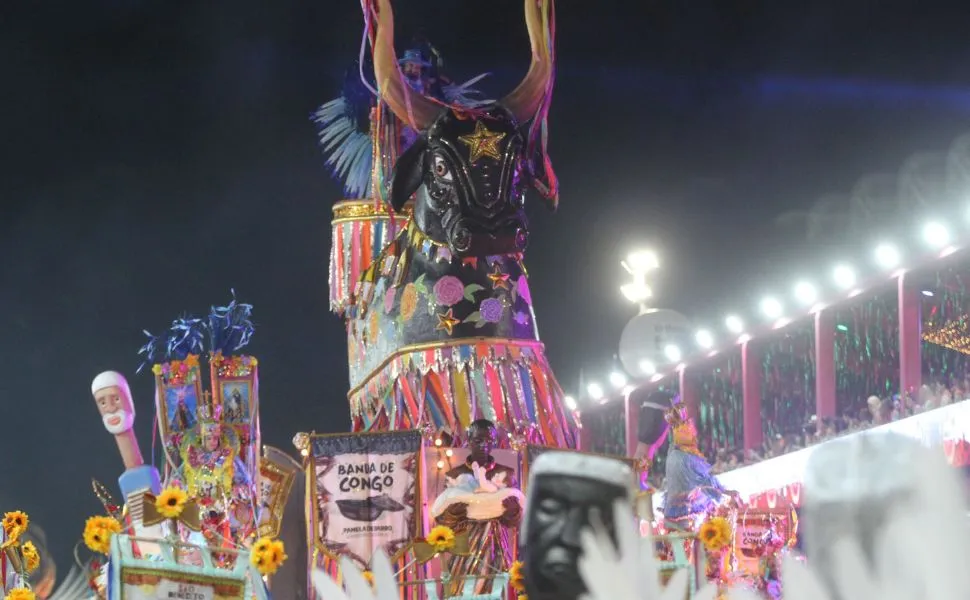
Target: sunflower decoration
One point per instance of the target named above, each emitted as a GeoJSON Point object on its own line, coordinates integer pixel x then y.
{"type": "Point", "coordinates": [171, 502]}
{"type": "Point", "coordinates": [441, 538]}
{"type": "Point", "coordinates": [20, 594]}
{"type": "Point", "coordinates": [14, 525]}
{"type": "Point", "coordinates": [517, 577]}
{"type": "Point", "coordinates": [31, 556]}
{"type": "Point", "coordinates": [267, 555]}
{"type": "Point", "coordinates": [715, 534]}
{"type": "Point", "coordinates": [98, 532]}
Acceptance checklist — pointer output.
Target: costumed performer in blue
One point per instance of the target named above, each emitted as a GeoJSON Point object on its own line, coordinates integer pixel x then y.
{"type": "Point", "coordinates": [690, 489]}
{"type": "Point", "coordinates": [349, 127]}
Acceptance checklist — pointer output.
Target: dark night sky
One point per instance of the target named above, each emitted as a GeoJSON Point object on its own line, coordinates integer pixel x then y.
{"type": "Point", "coordinates": [156, 154]}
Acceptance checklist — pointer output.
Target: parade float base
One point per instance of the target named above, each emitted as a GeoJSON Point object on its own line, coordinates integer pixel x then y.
{"type": "Point", "coordinates": [167, 576]}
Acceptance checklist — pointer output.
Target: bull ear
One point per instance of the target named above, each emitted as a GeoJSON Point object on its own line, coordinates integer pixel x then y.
{"type": "Point", "coordinates": [408, 173]}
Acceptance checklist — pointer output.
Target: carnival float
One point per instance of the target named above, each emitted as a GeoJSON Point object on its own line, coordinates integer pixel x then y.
{"type": "Point", "coordinates": [462, 476]}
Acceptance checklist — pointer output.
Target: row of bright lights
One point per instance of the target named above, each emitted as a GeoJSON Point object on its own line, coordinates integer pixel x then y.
{"type": "Point", "coordinates": [887, 257]}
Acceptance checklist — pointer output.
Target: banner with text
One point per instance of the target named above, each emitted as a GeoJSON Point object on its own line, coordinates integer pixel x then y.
{"type": "Point", "coordinates": [364, 493]}
{"type": "Point", "coordinates": [158, 584]}
{"type": "Point", "coordinates": [755, 528]}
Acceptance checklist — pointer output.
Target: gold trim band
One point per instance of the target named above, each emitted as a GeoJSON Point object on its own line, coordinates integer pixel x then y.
{"type": "Point", "coordinates": [356, 209]}
{"type": "Point", "coordinates": [384, 217]}
{"type": "Point", "coordinates": [434, 346]}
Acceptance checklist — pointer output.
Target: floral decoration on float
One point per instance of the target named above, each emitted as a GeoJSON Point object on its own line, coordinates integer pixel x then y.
{"type": "Point", "coordinates": [20, 554]}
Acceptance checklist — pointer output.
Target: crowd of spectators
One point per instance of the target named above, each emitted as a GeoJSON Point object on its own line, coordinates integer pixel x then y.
{"type": "Point", "coordinates": [877, 411]}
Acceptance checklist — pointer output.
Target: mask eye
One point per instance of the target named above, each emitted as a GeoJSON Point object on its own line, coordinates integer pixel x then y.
{"type": "Point", "coordinates": [550, 506]}
{"type": "Point", "coordinates": [441, 169]}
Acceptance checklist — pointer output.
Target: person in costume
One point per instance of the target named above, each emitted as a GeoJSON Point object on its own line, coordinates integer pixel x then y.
{"type": "Point", "coordinates": [481, 498]}
{"type": "Point", "coordinates": [652, 432]}
{"type": "Point", "coordinates": [690, 489]}
{"type": "Point", "coordinates": [348, 130]}
{"type": "Point", "coordinates": [212, 473]}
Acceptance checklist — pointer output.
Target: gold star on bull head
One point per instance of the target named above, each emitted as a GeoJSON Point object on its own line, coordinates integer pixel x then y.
{"type": "Point", "coordinates": [482, 143]}
{"type": "Point", "coordinates": [447, 321]}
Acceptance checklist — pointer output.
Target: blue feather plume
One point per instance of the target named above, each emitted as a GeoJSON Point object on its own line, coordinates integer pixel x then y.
{"type": "Point", "coordinates": [230, 327]}
{"type": "Point", "coordinates": [348, 150]}
{"type": "Point", "coordinates": [154, 350]}
{"type": "Point", "coordinates": [185, 337]}
{"type": "Point", "coordinates": [344, 135]}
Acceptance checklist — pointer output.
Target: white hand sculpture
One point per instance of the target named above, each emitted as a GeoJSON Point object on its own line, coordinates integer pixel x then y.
{"type": "Point", "coordinates": [914, 549]}
{"type": "Point", "coordinates": [633, 572]}
{"type": "Point", "coordinates": [385, 582]}
{"type": "Point", "coordinates": [484, 485]}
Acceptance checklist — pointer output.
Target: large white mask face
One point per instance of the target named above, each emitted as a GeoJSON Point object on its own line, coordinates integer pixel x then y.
{"type": "Point", "coordinates": [117, 411]}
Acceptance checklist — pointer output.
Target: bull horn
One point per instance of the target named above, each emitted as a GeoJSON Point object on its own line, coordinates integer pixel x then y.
{"type": "Point", "coordinates": [524, 101]}
{"type": "Point", "coordinates": [411, 108]}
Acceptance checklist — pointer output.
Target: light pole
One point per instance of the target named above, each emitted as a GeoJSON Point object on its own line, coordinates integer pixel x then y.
{"type": "Point", "coordinates": [639, 264]}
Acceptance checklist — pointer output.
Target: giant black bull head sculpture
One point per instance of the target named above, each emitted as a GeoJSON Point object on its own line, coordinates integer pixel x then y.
{"type": "Point", "coordinates": [467, 171]}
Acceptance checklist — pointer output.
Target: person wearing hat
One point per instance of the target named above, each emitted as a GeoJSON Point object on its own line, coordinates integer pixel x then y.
{"type": "Point", "coordinates": [416, 70]}
{"type": "Point", "coordinates": [421, 67]}
{"type": "Point", "coordinates": [690, 489]}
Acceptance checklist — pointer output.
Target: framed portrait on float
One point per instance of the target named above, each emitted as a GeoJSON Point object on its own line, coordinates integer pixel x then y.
{"type": "Point", "coordinates": [177, 398]}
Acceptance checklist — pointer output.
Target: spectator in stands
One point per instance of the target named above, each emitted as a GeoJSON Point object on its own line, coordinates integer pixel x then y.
{"type": "Point", "coordinates": [875, 409]}
{"type": "Point", "coordinates": [876, 412]}
{"type": "Point", "coordinates": [946, 399]}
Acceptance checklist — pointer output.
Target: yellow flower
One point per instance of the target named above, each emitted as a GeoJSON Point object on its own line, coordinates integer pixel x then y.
{"type": "Point", "coordinates": [192, 360]}
{"type": "Point", "coordinates": [262, 545]}
{"type": "Point", "coordinates": [20, 594]}
{"type": "Point", "coordinates": [170, 502]}
{"type": "Point", "coordinates": [31, 557]}
{"type": "Point", "coordinates": [13, 539]}
{"type": "Point", "coordinates": [715, 534]}
{"type": "Point", "coordinates": [277, 552]}
{"type": "Point", "coordinates": [267, 555]}
{"type": "Point", "coordinates": [262, 563]}
{"type": "Point", "coordinates": [16, 519]}
{"type": "Point", "coordinates": [98, 532]}
{"type": "Point", "coordinates": [157, 369]}
{"type": "Point", "coordinates": [517, 576]}
{"type": "Point", "coordinates": [409, 301]}
{"type": "Point", "coordinates": [441, 538]}
{"type": "Point", "coordinates": [369, 578]}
